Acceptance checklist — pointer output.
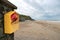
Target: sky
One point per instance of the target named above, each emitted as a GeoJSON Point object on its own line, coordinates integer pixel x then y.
{"type": "Point", "coordinates": [39, 9]}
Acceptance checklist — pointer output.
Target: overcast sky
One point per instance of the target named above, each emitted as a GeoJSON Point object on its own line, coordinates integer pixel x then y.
{"type": "Point", "coordinates": [39, 9]}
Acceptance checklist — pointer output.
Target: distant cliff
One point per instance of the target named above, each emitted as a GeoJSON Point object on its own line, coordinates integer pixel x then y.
{"type": "Point", "coordinates": [24, 17]}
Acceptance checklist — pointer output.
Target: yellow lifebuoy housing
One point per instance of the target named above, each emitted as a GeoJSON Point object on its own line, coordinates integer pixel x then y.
{"type": "Point", "coordinates": [11, 22]}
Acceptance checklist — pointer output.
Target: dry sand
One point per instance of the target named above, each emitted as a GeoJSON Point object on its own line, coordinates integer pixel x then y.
{"type": "Point", "coordinates": [38, 30]}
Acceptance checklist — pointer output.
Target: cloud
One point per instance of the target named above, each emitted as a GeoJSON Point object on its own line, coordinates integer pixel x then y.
{"type": "Point", "coordinates": [23, 7]}
{"type": "Point", "coordinates": [39, 9]}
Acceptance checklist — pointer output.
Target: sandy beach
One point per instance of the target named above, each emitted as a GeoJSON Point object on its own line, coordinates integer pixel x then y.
{"type": "Point", "coordinates": [38, 30]}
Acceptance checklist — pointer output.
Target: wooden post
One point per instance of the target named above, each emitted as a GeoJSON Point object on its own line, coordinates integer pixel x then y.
{"type": "Point", "coordinates": [5, 6]}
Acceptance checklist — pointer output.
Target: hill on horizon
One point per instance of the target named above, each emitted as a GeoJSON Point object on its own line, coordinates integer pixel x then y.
{"type": "Point", "coordinates": [24, 17]}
